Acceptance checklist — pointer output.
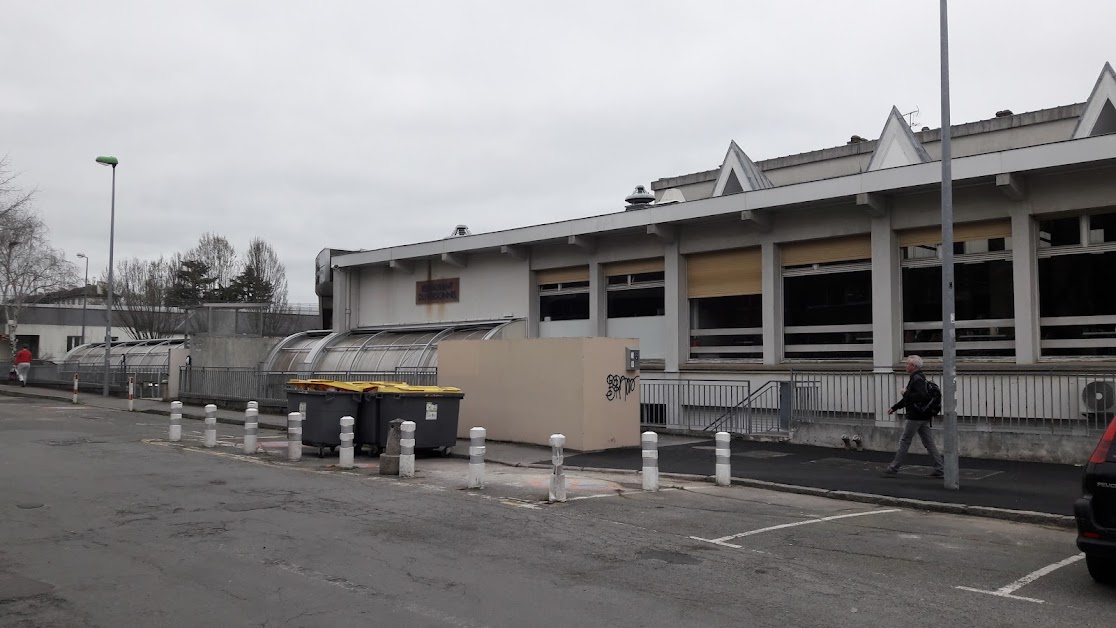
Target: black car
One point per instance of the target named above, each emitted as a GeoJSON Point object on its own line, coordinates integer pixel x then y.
{"type": "Point", "coordinates": [1096, 511]}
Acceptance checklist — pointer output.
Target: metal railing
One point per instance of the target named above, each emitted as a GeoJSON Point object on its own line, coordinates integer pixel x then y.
{"type": "Point", "coordinates": [243, 384]}
{"type": "Point", "coordinates": [151, 381]}
{"type": "Point", "coordinates": [1030, 402]}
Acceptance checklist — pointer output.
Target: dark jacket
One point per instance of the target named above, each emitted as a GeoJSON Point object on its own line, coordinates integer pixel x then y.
{"type": "Point", "coordinates": [917, 395]}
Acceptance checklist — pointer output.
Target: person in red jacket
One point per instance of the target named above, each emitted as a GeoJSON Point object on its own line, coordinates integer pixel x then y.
{"type": "Point", "coordinates": [23, 364]}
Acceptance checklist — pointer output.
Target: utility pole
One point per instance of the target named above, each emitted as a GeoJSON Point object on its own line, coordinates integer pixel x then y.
{"type": "Point", "coordinates": [949, 332]}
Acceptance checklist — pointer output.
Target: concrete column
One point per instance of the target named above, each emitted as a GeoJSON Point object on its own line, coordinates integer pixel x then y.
{"type": "Point", "coordinates": [598, 300]}
{"type": "Point", "coordinates": [251, 430]}
{"type": "Point", "coordinates": [887, 296]}
{"type": "Point", "coordinates": [650, 441]}
{"type": "Point", "coordinates": [724, 459]}
{"type": "Point", "coordinates": [1024, 244]}
{"type": "Point", "coordinates": [558, 472]}
{"type": "Point", "coordinates": [772, 273]}
{"type": "Point", "coordinates": [294, 436]}
{"type": "Point", "coordinates": [407, 449]}
{"type": "Point", "coordinates": [534, 314]}
{"type": "Point", "coordinates": [175, 434]}
{"type": "Point", "coordinates": [211, 425]}
{"type": "Point", "coordinates": [677, 308]}
{"type": "Point", "coordinates": [342, 313]}
{"type": "Point", "coordinates": [476, 456]}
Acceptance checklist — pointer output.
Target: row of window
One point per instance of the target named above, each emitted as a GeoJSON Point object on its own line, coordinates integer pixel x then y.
{"type": "Point", "coordinates": [827, 308]}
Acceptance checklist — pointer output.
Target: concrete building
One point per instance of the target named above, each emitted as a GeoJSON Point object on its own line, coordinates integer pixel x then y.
{"type": "Point", "coordinates": [827, 255]}
{"type": "Point", "coordinates": [826, 260]}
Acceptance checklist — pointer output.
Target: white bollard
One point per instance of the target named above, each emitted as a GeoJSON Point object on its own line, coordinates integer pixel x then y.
{"type": "Point", "coordinates": [476, 457]}
{"type": "Point", "coordinates": [75, 387]}
{"type": "Point", "coordinates": [558, 476]}
{"type": "Point", "coordinates": [211, 425]}
{"type": "Point", "coordinates": [724, 461]}
{"type": "Point", "coordinates": [175, 420]}
{"type": "Point", "coordinates": [407, 449]}
{"type": "Point", "coordinates": [131, 394]}
{"type": "Point", "coordinates": [345, 453]}
{"type": "Point", "coordinates": [251, 430]}
{"type": "Point", "coordinates": [650, 461]}
{"type": "Point", "coordinates": [294, 436]}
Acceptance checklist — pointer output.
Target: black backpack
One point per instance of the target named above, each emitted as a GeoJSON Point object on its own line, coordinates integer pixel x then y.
{"type": "Point", "coordinates": [933, 406]}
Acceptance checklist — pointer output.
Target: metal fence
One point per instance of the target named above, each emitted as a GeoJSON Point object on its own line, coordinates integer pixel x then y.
{"type": "Point", "coordinates": [212, 384]}
{"type": "Point", "coordinates": [151, 381]}
{"type": "Point", "coordinates": [1036, 402]}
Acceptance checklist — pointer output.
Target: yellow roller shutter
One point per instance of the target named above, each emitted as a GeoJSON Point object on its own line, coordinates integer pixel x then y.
{"type": "Point", "coordinates": [562, 275]}
{"type": "Point", "coordinates": [962, 232]}
{"type": "Point", "coordinates": [827, 251]}
{"type": "Point", "coordinates": [634, 267]}
{"type": "Point", "coordinates": [724, 273]}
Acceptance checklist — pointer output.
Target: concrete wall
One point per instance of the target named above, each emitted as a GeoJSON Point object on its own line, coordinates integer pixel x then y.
{"type": "Point", "coordinates": [525, 390]}
{"type": "Point", "coordinates": [1000, 445]}
{"type": "Point", "coordinates": [232, 351]}
{"type": "Point", "coordinates": [492, 286]}
{"type": "Point", "coordinates": [52, 338]}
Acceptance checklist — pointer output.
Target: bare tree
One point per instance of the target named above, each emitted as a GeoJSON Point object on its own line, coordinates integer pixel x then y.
{"type": "Point", "coordinates": [143, 287]}
{"type": "Point", "coordinates": [29, 265]}
{"type": "Point", "coordinates": [219, 257]}
{"type": "Point", "coordinates": [12, 198]}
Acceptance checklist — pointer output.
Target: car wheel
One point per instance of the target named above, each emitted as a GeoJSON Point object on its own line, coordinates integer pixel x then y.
{"type": "Point", "coordinates": [1103, 570]}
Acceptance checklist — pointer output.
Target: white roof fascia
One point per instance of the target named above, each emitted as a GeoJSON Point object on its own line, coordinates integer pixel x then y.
{"type": "Point", "coordinates": [1104, 91]}
{"type": "Point", "coordinates": [748, 174]}
{"type": "Point", "coordinates": [897, 145]}
{"type": "Point", "coordinates": [1043, 156]}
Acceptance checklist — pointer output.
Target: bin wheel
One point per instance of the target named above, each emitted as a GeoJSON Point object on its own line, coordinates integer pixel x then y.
{"type": "Point", "coordinates": [321, 452]}
{"type": "Point", "coordinates": [445, 451]}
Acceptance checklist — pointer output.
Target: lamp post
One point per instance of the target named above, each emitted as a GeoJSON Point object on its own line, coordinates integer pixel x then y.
{"type": "Point", "coordinates": [84, 295]}
{"type": "Point", "coordinates": [949, 338]}
{"type": "Point", "coordinates": [112, 162]}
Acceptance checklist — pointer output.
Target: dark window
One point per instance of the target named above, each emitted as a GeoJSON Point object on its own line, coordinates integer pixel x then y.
{"type": "Point", "coordinates": [1102, 228]}
{"type": "Point", "coordinates": [982, 291]}
{"type": "Point", "coordinates": [745, 311]}
{"type": "Point", "coordinates": [828, 299]}
{"type": "Point", "coordinates": [73, 341]}
{"type": "Point", "coordinates": [1060, 232]}
{"type": "Point", "coordinates": [1077, 285]}
{"type": "Point", "coordinates": [635, 302]}
{"type": "Point", "coordinates": [564, 307]}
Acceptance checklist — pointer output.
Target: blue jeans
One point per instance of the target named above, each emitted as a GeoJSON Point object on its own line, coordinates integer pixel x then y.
{"type": "Point", "coordinates": [922, 428]}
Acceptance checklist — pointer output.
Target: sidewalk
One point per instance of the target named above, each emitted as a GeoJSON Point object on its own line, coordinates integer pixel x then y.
{"type": "Point", "coordinates": [1015, 486]}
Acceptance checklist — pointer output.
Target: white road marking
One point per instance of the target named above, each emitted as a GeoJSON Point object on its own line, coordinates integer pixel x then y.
{"type": "Point", "coordinates": [724, 539]}
{"type": "Point", "coordinates": [1007, 590]}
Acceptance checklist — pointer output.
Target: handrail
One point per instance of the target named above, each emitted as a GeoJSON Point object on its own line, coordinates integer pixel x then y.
{"type": "Point", "coordinates": [716, 423]}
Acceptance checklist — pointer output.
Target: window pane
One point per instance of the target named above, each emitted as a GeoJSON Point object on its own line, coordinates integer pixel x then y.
{"type": "Point", "coordinates": [1102, 228]}
{"type": "Point", "coordinates": [632, 303]}
{"type": "Point", "coordinates": [564, 307]}
{"type": "Point", "coordinates": [1078, 285]}
{"type": "Point", "coordinates": [735, 312]}
{"type": "Point", "coordinates": [830, 299]}
{"type": "Point", "coordinates": [982, 291]}
{"type": "Point", "coordinates": [1060, 232]}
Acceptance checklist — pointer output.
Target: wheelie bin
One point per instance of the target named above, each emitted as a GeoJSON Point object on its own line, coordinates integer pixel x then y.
{"type": "Point", "coordinates": [322, 404]}
{"type": "Point", "coordinates": [434, 410]}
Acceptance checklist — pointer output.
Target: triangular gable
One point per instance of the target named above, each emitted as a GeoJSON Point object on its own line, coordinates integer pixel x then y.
{"type": "Point", "coordinates": [897, 145]}
{"type": "Point", "coordinates": [739, 174]}
{"type": "Point", "coordinates": [1099, 117]}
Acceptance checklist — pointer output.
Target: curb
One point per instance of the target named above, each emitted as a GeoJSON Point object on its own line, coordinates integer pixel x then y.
{"type": "Point", "coordinates": [987, 512]}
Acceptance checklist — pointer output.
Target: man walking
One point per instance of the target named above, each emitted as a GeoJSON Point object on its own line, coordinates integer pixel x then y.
{"type": "Point", "coordinates": [919, 402]}
{"type": "Point", "coordinates": [23, 364]}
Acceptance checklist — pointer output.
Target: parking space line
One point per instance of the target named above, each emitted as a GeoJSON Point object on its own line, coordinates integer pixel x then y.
{"type": "Point", "coordinates": [1008, 590]}
{"type": "Point", "coordinates": [724, 540]}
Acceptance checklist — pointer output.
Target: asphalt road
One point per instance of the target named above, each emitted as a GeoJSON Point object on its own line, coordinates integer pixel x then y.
{"type": "Point", "coordinates": [102, 527]}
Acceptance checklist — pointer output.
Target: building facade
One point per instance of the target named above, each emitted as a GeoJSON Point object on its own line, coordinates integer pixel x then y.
{"type": "Point", "coordinates": [824, 258]}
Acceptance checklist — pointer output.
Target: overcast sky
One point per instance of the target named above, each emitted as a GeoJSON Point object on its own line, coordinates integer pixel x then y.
{"type": "Point", "coordinates": [369, 124]}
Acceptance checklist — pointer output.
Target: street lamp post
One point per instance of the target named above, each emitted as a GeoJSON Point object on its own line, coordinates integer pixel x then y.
{"type": "Point", "coordinates": [84, 295]}
{"type": "Point", "coordinates": [949, 338]}
{"type": "Point", "coordinates": [112, 162]}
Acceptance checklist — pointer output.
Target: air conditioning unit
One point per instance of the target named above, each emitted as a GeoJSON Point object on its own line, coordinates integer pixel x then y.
{"type": "Point", "coordinates": [1098, 397]}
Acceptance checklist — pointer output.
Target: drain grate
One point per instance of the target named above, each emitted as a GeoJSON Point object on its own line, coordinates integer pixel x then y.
{"type": "Point", "coordinates": [71, 442]}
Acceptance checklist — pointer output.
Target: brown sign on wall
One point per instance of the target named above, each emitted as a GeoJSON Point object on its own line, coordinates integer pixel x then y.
{"type": "Point", "coordinates": [438, 291]}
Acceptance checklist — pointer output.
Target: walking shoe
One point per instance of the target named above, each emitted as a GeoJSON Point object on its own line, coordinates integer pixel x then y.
{"type": "Point", "coordinates": [936, 474]}
{"type": "Point", "coordinates": [890, 473]}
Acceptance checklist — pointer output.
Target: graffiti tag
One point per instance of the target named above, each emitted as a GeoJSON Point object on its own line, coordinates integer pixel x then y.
{"type": "Point", "coordinates": [620, 386]}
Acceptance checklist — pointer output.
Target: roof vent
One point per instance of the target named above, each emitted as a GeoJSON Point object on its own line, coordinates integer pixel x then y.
{"type": "Point", "coordinates": [460, 230]}
{"type": "Point", "coordinates": [673, 195]}
{"type": "Point", "coordinates": [1004, 113]}
{"type": "Point", "coordinates": [639, 197]}
{"type": "Point", "coordinates": [856, 139]}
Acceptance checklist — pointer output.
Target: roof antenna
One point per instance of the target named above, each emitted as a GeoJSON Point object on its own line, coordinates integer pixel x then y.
{"type": "Point", "coordinates": [910, 116]}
